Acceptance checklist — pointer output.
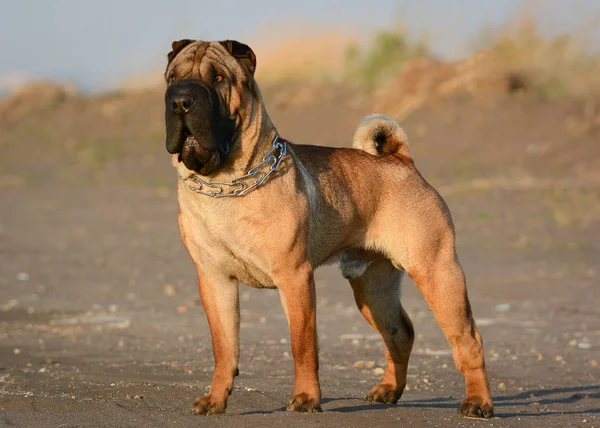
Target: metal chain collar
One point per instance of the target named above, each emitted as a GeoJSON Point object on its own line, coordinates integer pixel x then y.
{"type": "Point", "coordinates": [238, 186]}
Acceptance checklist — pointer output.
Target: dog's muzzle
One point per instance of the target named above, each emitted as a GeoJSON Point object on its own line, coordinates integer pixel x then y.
{"type": "Point", "coordinates": [194, 129]}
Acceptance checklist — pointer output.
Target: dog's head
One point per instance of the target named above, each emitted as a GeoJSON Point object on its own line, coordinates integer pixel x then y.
{"type": "Point", "coordinates": [210, 85]}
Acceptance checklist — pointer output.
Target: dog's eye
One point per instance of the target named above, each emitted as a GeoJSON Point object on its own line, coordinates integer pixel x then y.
{"type": "Point", "coordinates": [218, 78]}
{"type": "Point", "coordinates": [171, 77]}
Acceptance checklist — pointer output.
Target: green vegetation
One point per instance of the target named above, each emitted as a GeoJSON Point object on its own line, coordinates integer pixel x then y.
{"type": "Point", "coordinates": [383, 57]}
{"type": "Point", "coordinates": [517, 57]}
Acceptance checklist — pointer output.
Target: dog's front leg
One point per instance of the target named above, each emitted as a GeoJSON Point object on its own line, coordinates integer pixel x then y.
{"type": "Point", "coordinates": [297, 292]}
{"type": "Point", "coordinates": [221, 303]}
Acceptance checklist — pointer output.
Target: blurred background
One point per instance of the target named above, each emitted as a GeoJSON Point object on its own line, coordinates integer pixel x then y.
{"type": "Point", "coordinates": [123, 43]}
{"type": "Point", "coordinates": [501, 104]}
{"type": "Point", "coordinates": [85, 78]}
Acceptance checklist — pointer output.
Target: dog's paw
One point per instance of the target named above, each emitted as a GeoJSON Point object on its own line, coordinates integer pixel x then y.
{"type": "Point", "coordinates": [475, 408]}
{"type": "Point", "coordinates": [384, 393]}
{"type": "Point", "coordinates": [302, 403]}
{"type": "Point", "coordinates": [206, 405]}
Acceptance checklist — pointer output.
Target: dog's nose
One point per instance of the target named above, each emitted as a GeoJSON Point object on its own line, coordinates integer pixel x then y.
{"type": "Point", "coordinates": [181, 103]}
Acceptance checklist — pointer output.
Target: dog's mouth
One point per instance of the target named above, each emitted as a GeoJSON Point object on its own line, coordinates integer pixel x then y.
{"type": "Point", "coordinates": [191, 147]}
{"type": "Point", "coordinates": [202, 152]}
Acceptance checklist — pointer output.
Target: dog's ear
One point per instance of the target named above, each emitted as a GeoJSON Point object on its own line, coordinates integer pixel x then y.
{"type": "Point", "coordinates": [242, 53]}
{"type": "Point", "coordinates": [177, 46]}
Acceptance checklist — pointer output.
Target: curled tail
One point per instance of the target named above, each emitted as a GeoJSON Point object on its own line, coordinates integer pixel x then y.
{"type": "Point", "coordinates": [379, 135]}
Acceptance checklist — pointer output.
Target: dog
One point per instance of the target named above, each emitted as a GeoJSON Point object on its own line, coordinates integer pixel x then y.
{"type": "Point", "coordinates": [257, 209]}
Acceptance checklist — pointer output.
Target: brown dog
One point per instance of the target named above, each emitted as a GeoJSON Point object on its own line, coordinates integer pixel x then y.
{"type": "Point", "coordinates": [257, 209]}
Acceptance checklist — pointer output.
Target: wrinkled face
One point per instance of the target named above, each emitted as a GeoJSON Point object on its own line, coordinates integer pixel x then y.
{"type": "Point", "coordinates": [208, 83]}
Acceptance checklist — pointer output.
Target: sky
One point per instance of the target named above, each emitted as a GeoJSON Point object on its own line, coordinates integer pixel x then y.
{"type": "Point", "coordinates": [98, 44]}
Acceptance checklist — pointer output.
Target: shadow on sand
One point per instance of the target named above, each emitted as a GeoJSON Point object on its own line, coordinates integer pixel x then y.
{"type": "Point", "coordinates": [528, 403]}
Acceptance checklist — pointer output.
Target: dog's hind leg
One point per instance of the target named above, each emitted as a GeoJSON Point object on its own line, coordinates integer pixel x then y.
{"type": "Point", "coordinates": [442, 282]}
{"type": "Point", "coordinates": [377, 295]}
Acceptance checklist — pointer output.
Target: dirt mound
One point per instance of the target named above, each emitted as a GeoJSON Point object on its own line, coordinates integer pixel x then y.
{"type": "Point", "coordinates": [427, 80]}
{"type": "Point", "coordinates": [520, 58]}
{"type": "Point", "coordinates": [33, 98]}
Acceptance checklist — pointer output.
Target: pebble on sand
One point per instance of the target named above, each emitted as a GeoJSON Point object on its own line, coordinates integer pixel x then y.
{"type": "Point", "coordinates": [352, 336]}
{"type": "Point", "coordinates": [378, 371]}
{"type": "Point", "coordinates": [16, 351]}
{"type": "Point", "coordinates": [503, 307]}
{"type": "Point", "coordinates": [11, 304]}
{"type": "Point", "coordinates": [135, 397]}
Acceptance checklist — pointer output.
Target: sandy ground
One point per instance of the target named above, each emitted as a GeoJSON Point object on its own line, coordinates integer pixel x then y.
{"type": "Point", "coordinates": [100, 323]}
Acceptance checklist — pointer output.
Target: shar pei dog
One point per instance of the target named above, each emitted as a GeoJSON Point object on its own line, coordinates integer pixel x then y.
{"type": "Point", "coordinates": [258, 209]}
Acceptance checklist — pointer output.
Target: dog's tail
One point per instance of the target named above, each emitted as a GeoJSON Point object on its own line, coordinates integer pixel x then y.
{"type": "Point", "coordinates": [379, 135]}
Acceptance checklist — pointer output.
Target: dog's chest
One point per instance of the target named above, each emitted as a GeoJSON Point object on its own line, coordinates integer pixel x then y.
{"type": "Point", "coordinates": [240, 257]}
{"type": "Point", "coordinates": [229, 242]}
